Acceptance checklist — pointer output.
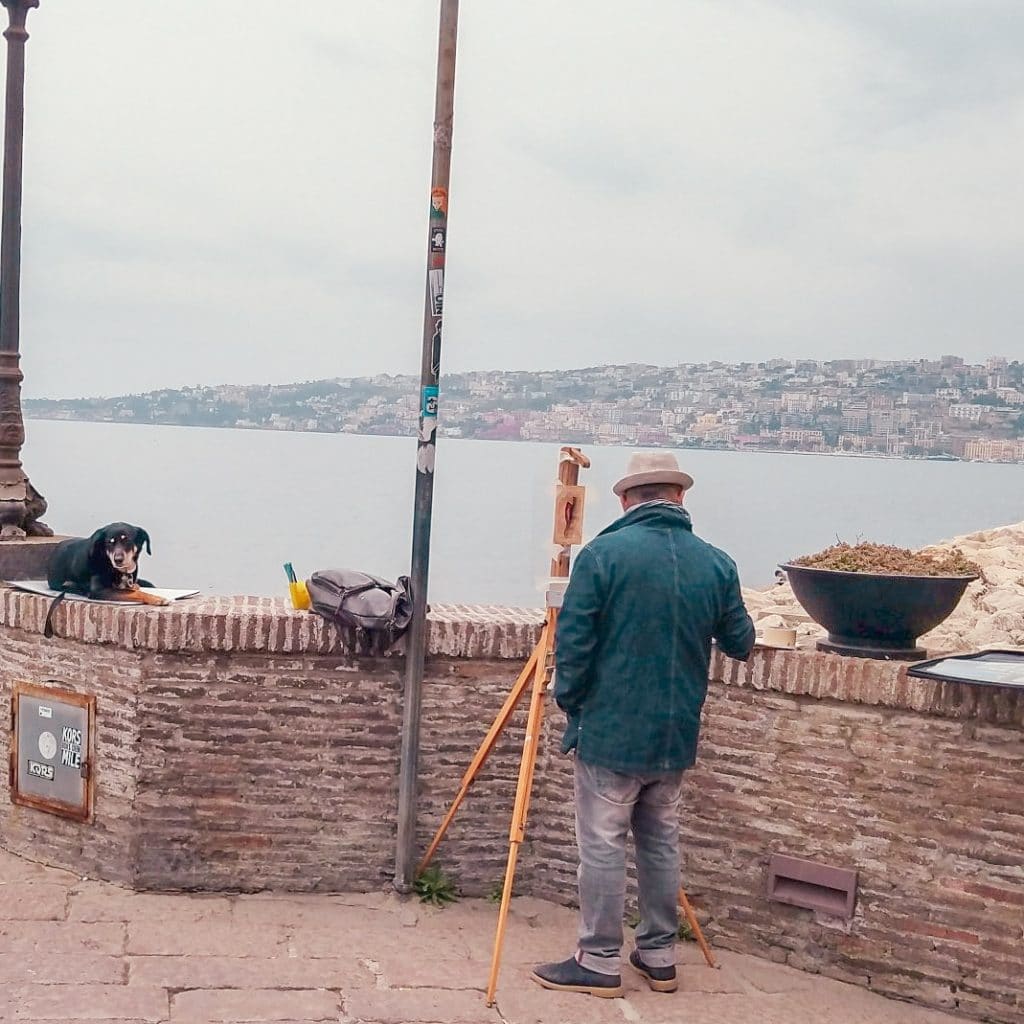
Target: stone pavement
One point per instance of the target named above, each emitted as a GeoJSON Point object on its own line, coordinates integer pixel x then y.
{"type": "Point", "coordinates": [75, 950]}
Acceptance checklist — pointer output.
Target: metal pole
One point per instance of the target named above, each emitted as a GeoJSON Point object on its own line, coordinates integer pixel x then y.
{"type": "Point", "coordinates": [430, 370]}
{"type": "Point", "coordinates": [20, 504]}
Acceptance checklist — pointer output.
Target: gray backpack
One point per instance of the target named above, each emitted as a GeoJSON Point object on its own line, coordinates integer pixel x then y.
{"type": "Point", "coordinates": [357, 600]}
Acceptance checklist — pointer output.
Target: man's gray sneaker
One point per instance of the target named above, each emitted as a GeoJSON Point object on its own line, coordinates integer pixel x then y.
{"type": "Point", "coordinates": [569, 976]}
{"type": "Point", "coordinates": [660, 979]}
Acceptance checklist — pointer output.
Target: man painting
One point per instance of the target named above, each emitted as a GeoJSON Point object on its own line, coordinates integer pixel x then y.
{"type": "Point", "coordinates": [645, 599]}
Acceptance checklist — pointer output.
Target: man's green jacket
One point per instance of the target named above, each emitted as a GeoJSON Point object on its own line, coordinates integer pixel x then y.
{"type": "Point", "coordinates": [643, 603]}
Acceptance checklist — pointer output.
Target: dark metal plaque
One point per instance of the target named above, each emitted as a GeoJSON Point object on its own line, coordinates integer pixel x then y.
{"type": "Point", "coordinates": [983, 668]}
{"type": "Point", "coordinates": [52, 750]}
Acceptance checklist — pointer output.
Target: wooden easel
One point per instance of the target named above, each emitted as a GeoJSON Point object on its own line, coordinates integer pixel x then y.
{"type": "Point", "coordinates": [537, 671]}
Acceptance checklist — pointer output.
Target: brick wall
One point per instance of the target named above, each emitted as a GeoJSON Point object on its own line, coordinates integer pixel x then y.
{"type": "Point", "coordinates": [851, 763]}
{"type": "Point", "coordinates": [242, 745]}
{"type": "Point", "coordinates": [106, 849]}
{"type": "Point", "coordinates": [925, 804]}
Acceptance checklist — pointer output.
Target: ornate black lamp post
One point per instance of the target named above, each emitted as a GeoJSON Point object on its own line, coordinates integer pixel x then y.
{"type": "Point", "coordinates": [21, 504]}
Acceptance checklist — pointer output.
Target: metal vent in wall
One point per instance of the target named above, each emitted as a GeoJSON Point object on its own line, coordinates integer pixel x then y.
{"type": "Point", "coordinates": [818, 887]}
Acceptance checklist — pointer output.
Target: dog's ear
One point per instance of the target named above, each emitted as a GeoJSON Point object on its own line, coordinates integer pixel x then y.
{"type": "Point", "coordinates": [141, 537]}
{"type": "Point", "coordinates": [97, 544]}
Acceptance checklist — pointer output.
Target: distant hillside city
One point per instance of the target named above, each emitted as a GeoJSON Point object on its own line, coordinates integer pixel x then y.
{"type": "Point", "coordinates": [942, 408]}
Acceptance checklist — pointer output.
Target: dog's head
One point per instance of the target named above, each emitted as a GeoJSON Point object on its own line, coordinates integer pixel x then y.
{"type": "Point", "coordinates": [119, 544]}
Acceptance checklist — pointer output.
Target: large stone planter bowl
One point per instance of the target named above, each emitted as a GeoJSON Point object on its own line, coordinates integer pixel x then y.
{"type": "Point", "coordinates": [871, 615]}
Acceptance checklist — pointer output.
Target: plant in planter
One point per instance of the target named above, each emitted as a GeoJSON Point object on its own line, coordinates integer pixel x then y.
{"type": "Point", "coordinates": [875, 600]}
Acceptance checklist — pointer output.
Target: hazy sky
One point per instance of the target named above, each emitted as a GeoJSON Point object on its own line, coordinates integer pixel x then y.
{"type": "Point", "coordinates": [237, 190]}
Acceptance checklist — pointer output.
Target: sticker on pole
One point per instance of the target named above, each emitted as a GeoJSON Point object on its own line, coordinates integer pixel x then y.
{"type": "Point", "coordinates": [428, 412]}
{"type": "Point", "coordinates": [425, 458]}
{"type": "Point", "coordinates": [435, 349]}
{"type": "Point", "coordinates": [438, 203]}
{"type": "Point", "coordinates": [436, 278]}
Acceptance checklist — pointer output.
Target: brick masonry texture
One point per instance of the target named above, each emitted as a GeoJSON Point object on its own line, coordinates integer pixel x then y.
{"type": "Point", "coordinates": [244, 746]}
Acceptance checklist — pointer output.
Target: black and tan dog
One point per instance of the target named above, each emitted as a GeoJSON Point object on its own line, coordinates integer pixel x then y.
{"type": "Point", "coordinates": [104, 566]}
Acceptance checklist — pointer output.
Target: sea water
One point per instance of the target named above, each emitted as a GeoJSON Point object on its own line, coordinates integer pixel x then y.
{"type": "Point", "coordinates": [226, 507]}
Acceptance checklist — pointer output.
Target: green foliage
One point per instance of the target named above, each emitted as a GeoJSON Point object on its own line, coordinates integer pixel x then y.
{"type": "Point", "coordinates": [496, 891]}
{"type": "Point", "coordinates": [434, 887]}
{"type": "Point", "coordinates": [685, 933]}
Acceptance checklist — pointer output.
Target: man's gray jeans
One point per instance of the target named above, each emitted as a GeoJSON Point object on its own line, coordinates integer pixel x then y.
{"type": "Point", "coordinates": [608, 804]}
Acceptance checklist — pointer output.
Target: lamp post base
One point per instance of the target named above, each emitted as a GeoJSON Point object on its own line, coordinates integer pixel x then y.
{"type": "Point", "coordinates": [27, 559]}
{"type": "Point", "coordinates": [21, 505]}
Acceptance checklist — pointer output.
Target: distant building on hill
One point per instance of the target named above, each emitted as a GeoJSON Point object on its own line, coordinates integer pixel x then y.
{"type": "Point", "coordinates": [994, 451]}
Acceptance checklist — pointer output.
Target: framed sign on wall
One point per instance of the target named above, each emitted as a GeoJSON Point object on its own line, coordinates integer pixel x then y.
{"type": "Point", "coordinates": [53, 749]}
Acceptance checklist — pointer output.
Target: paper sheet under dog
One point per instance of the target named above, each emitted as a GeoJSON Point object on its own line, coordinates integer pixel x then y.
{"type": "Point", "coordinates": [40, 587]}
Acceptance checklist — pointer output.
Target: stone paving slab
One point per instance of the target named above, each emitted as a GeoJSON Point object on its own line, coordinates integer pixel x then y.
{"type": "Point", "coordinates": [100, 1002]}
{"type": "Point", "coordinates": [74, 951]}
{"type": "Point", "coordinates": [52, 938]}
{"type": "Point", "coordinates": [423, 1006]}
{"type": "Point", "coordinates": [761, 976]}
{"type": "Point", "coordinates": [206, 1006]}
{"type": "Point", "coordinates": [97, 901]}
{"type": "Point", "coordinates": [64, 969]}
{"type": "Point", "coordinates": [397, 970]}
{"type": "Point", "coordinates": [161, 937]}
{"type": "Point", "coordinates": [227, 972]}
{"type": "Point", "coordinates": [35, 901]}
{"type": "Point", "coordinates": [17, 869]}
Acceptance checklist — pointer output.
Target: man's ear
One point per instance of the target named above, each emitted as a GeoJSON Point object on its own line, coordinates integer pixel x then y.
{"type": "Point", "coordinates": [141, 537]}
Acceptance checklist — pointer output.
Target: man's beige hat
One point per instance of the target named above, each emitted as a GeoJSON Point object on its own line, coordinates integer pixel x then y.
{"type": "Point", "coordinates": [653, 468]}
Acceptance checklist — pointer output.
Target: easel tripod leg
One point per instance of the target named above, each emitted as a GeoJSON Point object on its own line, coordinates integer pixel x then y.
{"type": "Point", "coordinates": [522, 804]}
{"type": "Point", "coordinates": [691, 918]}
{"type": "Point", "coordinates": [483, 752]}
{"type": "Point", "coordinates": [499, 938]}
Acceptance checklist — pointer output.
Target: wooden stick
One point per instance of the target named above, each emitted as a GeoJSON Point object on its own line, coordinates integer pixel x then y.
{"type": "Point", "coordinates": [691, 918]}
{"type": "Point", "coordinates": [483, 751]}
{"type": "Point", "coordinates": [541, 678]}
